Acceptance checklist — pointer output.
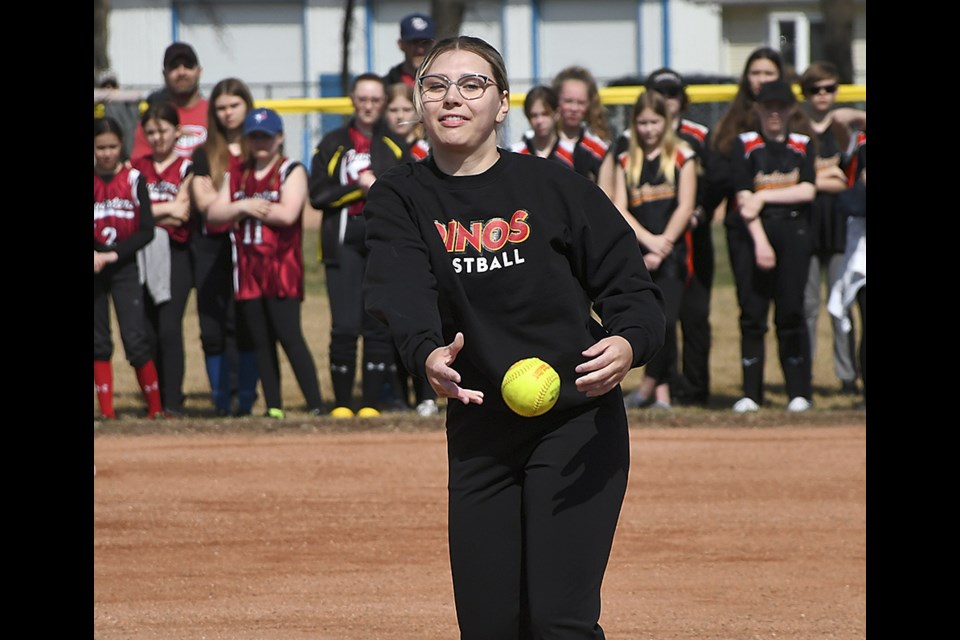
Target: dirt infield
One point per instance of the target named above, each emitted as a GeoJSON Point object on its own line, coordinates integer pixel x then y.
{"type": "Point", "coordinates": [728, 532]}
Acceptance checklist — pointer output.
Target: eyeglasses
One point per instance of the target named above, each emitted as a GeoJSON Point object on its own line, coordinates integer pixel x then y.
{"type": "Point", "coordinates": [471, 86]}
{"type": "Point", "coordinates": [829, 88]}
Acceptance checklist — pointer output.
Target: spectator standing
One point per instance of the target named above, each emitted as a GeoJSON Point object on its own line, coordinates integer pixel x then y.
{"type": "Point", "coordinates": [346, 163]}
{"type": "Point", "coordinates": [121, 105]}
{"type": "Point", "coordinates": [228, 349]}
{"type": "Point", "coordinates": [533, 502]}
{"type": "Point", "coordinates": [167, 256]}
{"type": "Point", "coordinates": [828, 228]}
{"type": "Point", "coordinates": [583, 129]}
{"type": "Point", "coordinates": [122, 225]}
{"type": "Point", "coordinates": [655, 189]}
{"type": "Point", "coordinates": [401, 116]}
{"type": "Point", "coordinates": [541, 107]}
{"type": "Point", "coordinates": [418, 32]}
{"type": "Point", "coordinates": [852, 285]}
{"type": "Point", "coordinates": [181, 78]}
{"type": "Point", "coordinates": [264, 199]}
{"type": "Point", "coordinates": [775, 181]}
{"type": "Point", "coordinates": [691, 383]}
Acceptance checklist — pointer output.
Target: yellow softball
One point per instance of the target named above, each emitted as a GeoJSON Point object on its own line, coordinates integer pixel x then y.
{"type": "Point", "coordinates": [530, 387]}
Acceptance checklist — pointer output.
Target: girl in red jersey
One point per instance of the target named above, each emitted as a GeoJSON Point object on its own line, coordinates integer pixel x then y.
{"type": "Point", "coordinates": [655, 188]}
{"type": "Point", "coordinates": [122, 224]}
{"type": "Point", "coordinates": [227, 346]}
{"type": "Point", "coordinates": [167, 176]}
{"type": "Point", "coordinates": [263, 198]}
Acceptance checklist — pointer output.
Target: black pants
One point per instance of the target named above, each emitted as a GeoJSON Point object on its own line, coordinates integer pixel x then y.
{"type": "Point", "coordinates": [669, 277]}
{"type": "Point", "coordinates": [784, 285]}
{"type": "Point", "coordinates": [121, 283]}
{"type": "Point", "coordinates": [534, 504]}
{"type": "Point", "coordinates": [165, 327]}
{"type": "Point", "coordinates": [349, 321]}
{"type": "Point", "coordinates": [273, 320]}
{"type": "Point", "coordinates": [221, 330]}
{"type": "Point", "coordinates": [694, 385]}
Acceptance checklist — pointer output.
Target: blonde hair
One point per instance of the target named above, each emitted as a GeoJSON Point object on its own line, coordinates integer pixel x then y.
{"type": "Point", "coordinates": [403, 90]}
{"type": "Point", "coordinates": [463, 43]}
{"type": "Point", "coordinates": [669, 144]}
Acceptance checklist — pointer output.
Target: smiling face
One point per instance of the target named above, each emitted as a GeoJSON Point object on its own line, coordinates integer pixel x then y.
{"type": "Point", "coordinates": [456, 125]}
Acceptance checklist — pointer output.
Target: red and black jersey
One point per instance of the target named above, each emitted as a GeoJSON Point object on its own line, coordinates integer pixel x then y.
{"type": "Point", "coordinates": [559, 153]}
{"type": "Point", "coordinates": [760, 164]}
{"type": "Point", "coordinates": [164, 186]}
{"type": "Point", "coordinates": [420, 149]}
{"type": "Point", "coordinates": [858, 159]}
{"type": "Point", "coordinates": [268, 260]}
{"type": "Point", "coordinates": [587, 152]}
{"type": "Point", "coordinates": [122, 216]}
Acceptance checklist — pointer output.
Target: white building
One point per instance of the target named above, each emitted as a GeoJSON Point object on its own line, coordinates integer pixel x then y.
{"type": "Point", "coordinates": [292, 48]}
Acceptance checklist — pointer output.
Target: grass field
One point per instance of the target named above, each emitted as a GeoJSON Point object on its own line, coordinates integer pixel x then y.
{"type": "Point", "coordinates": [724, 360]}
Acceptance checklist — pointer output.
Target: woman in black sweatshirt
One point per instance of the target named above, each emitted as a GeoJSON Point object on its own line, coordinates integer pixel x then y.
{"type": "Point", "coordinates": [480, 257]}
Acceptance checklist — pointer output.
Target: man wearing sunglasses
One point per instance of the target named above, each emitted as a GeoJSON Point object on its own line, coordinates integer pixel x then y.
{"type": "Point", "coordinates": [417, 34]}
{"type": "Point", "coordinates": [181, 80]}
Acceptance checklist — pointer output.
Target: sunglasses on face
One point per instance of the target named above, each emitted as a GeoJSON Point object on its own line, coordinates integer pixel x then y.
{"type": "Point", "coordinates": [829, 88]}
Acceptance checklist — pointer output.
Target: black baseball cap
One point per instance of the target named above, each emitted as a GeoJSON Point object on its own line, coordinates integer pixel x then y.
{"type": "Point", "coordinates": [179, 52]}
{"type": "Point", "coordinates": [664, 79]}
{"type": "Point", "coordinates": [776, 91]}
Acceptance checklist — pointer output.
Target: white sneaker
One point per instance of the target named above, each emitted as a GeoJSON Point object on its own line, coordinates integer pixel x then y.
{"type": "Point", "coordinates": [428, 408]}
{"type": "Point", "coordinates": [745, 405]}
{"type": "Point", "coordinates": [798, 404]}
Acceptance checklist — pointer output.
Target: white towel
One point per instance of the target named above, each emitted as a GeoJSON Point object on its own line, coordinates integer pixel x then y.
{"type": "Point", "coordinates": [154, 265]}
{"type": "Point", "coordinates": [844, 290]}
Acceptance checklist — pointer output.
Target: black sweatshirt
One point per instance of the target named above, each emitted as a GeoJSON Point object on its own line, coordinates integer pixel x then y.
{"type": "Point", "coordinates": [512, 258]}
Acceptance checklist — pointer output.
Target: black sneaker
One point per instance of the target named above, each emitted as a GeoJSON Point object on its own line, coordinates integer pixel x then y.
{"type": "Point", "coordinates": [849, 388]}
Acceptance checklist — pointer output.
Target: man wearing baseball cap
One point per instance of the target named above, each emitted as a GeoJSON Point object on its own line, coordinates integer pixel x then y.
{"type": "Point", "coordinates": [181, 80]}
{"type": "Point", "coordinates": [417, 34]}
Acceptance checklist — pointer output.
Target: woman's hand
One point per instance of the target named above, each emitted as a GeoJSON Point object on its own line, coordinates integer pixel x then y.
{"type": "Point", "coordinates": [609, 363]}
{"type": "Point", "coordinates": [445, 380]}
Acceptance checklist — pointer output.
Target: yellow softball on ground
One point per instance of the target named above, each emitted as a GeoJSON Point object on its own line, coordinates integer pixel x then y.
{"type": "Point", "coordinates": [530, 387]}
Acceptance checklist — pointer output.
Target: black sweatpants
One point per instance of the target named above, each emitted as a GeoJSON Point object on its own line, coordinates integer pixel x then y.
{"type": "Point", "coordinates": [533, 506]}
{"type": "Point", "coordinates": [784, 285]}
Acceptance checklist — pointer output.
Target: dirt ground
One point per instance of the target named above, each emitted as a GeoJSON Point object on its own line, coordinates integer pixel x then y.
{"type": "Point", "coordinates": [338, 533]}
